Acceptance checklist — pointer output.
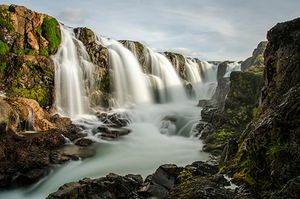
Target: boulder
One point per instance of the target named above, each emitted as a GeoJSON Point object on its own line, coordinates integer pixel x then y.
{"type": "Point", "coordinates": [112, 186]}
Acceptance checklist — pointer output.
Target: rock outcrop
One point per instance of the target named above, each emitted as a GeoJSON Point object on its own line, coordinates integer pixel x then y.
{"type": "Point", "coordinates": [257, 59]}
{"type": "Point", "coordinates": [231, 108]}
{"type": "Point", "coordinates": [198, 180]}
{"type": "Point", "coordinates": [140, 51]}
{"type": "Point", "coordinates": [27, 39]}
{"type": "Point", "coordinates": [101, 89]}
{"type": "Point", "coordinates": [268, 155]}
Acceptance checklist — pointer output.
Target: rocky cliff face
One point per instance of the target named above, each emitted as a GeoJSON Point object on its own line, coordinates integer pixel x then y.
{"type": "Point", "coordinates": [231, 108]}
{"type": "Point", "coordinates": [257, 58]}
{"type": "Point", "coordinates": [26, 40]}
{"type": "Point", "coordinates": [269, 155]}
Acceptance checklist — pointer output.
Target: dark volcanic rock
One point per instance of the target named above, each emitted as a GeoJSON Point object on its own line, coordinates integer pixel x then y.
{"type": "Point", "coordinates": [158, 184]}
{"type": "Point", "coordinates": [112, 186]}
{"type": "Point", "coordinates": [269, 154]}
{"type": "Point", "coordinates": [222, 68]}
{"type": "Point", "coordinates": [198, 180]}
{"type": "Point", "coordinates": [84, 142]}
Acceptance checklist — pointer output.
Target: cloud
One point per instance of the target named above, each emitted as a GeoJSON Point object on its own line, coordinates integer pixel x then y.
{"type": "Point", "coordinates": [73, 15]}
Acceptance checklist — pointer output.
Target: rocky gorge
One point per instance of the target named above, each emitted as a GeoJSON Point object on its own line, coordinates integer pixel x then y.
{"type": "Point", "coordinates": [249, 118]}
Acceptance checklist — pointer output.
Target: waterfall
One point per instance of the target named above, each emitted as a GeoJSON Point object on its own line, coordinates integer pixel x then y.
{"type": "Point", "coordinates": [234, 66]}
{"type": "Point", "coordinates": [71, 64]}
{"type": "Point", "coordinates": [193, 71]}
{"type": "Point", "coordinates": [130, 84]}
{"type": "Point", "coordinates": [162, 68]}
{"type": "Point", "coordinates": [209, 71]}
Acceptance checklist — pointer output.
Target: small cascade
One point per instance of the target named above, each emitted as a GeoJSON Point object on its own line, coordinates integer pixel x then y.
{"type": "Point", "coordinates": [234, 66]}
{"type": "Point", "coordinates": [71, 68]}
{"type": "Point", "coordinates": [162, 68]}
{"type": "Point", "coordinates": [130, 84]}
{"type": "Point", "coordinates": [193, 71]}
{"type": "Point", "coordinates": [30, 121]}
{"type": "Point", "coordinates": [157, 87]}
{"type": "Point", "coordinates": [209, 71]}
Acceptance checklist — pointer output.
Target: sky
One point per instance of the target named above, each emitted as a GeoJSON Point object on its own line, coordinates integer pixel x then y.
{"type": "Point", "coordinates": [206, 29]}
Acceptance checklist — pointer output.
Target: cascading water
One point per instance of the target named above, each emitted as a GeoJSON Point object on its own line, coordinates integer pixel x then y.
{"type": "Point", "coordinates": [234, 66]}
{"type": "Point", "coordinates": [129, 81]}
{"type": "Point", "coordinates": [162, 68]}
{"type": "Point", "coordinates": [69, 90]}
{"type": "Point", "coordinates": [154, 139]}
{"type": "Point", "coordinates": [193, 71]}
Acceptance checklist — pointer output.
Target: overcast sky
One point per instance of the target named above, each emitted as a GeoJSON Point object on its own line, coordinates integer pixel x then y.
{"type": "Point", "coordinates": [208, 29]}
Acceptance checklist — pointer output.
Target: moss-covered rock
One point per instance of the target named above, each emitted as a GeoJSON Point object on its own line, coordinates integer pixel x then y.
{"type": "Point", "coordinates": [27, 39]}
{"type": "Point", "coordinates": [269, 155]}
{"type": "Point", "coordinates": [50, 30]}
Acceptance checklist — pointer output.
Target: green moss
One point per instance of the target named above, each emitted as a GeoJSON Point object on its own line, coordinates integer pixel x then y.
{"type": "Point", "coordinates": [256, 112]}
{"type": "Point", "coordinates": [40, 94]}
{"type": "Point", "coordinates": [278, 146]}
{"type": "Point", "coordinates": [3, 66]}
{"type": "Point", "coordinates": [51, 31]}
{"type": "Point", "coordinates": [245, 177]}
{"type": "Point", "coordinates": [3, 48]}
{"type": "Point", "coordinates": [38, 30]}
{"type": "Point", "coordinates": [5, 22]}
{"type": "Point", "coordinates": [223, 135]}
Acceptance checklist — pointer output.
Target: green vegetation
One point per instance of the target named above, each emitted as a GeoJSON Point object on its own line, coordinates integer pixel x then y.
{"type": "Point", "coordinates": [3, 66]}
{"type": "Point", "coordinates": [223, 135]}
{"type": "Point", "coordinates": [40, 94]}
{"type": "Point", "coordinates": [5, 22]}
{"type": "Point", "coordinates": [3, 48]}
{"type": "Point", "coordinates": [51, 31]}
{"type": "Point", "coordinates": [274, 150]}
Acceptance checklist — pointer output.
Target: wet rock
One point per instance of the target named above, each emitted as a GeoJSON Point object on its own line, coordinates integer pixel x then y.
{"type": "Point", "coordinates": [207, 113]}
{"type": "Point", "coordinates": [71, 152]}
{"type": "Point", "coordinates": [102, 74]}
{"type": "Point", "coordinates": [141, 52]}
{"type": "Point", "coordinates": [114, 119]}
{"type": "Point", "coordinates": [114, 133]}
{"type": "Point", "coordinates": [84, 142]}
{"type": "Point", "coordinates": [222, 68]}
{"type": "Point", "coordinates": [203, 103]}
{"type": "Point", "coordinates": [111, 186]}
{"type": "Point", "coordinates": [178, 61]}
